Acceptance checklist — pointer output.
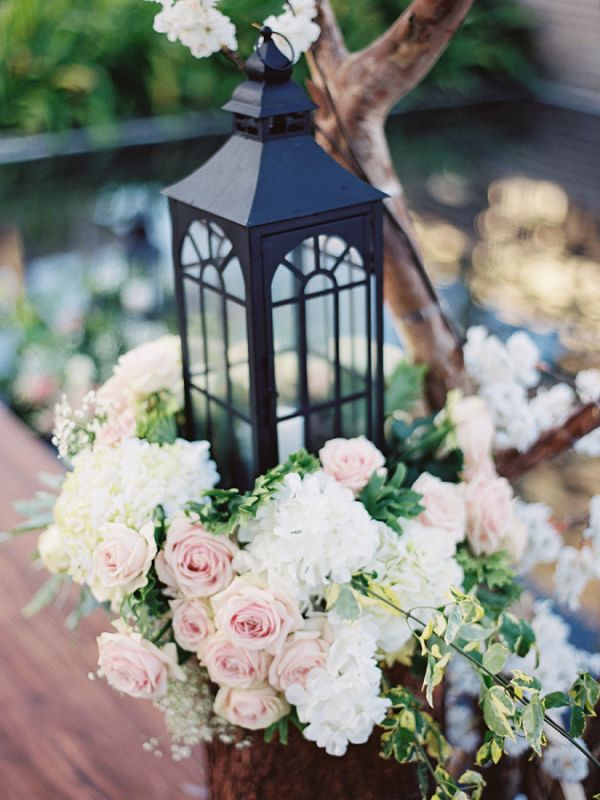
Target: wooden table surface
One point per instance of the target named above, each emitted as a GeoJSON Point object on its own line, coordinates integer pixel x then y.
{"type": "Point", "coordinates": [62, 736]}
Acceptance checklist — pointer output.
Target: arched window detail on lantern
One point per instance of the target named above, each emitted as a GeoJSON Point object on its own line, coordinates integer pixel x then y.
{"type": "Point", "coordinates": [217, 339]}
{"type": "Point", "coordinates": [322, 318]}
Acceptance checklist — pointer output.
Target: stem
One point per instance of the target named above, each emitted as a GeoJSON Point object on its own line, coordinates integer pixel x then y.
{"type": "Point", "coordinates": [156, 639]}
{"type": "Point", "coordinates": [234, 57]}
{"type": "Point", "coordinates": [496, 678]}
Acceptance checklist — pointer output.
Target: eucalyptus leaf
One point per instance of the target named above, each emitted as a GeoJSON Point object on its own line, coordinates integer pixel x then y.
{"type": "Point", "coordinates": [45, 595]}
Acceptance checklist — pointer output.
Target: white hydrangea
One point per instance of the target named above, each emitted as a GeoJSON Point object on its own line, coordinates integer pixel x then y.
{"type": "Point", "coordinates": [124, 484]}
{"type": "Point", "coordinates": [197, 24]}
{"type": "Point", "coordinates": [544, 542]}
{"type": "Point", "coordinates": [296, 24]}
{"type": "Point", "coordinates": [592, 532]}
{"type": "Point", "coordinates": [311, 533]}
{"type": "Point", "coordinates": [514, 421]}
{"type": "Point", "coordinates": [420, 568]}
{"type": "Point", "coordinates": [574, 569]}
{"type": "Point", "coordinates": [489, 361]}
{"type": "Point", "coordinates": [340, 702]}
{"type": "Point", "coordinates": [563, 762]}
{"type": "Point", "coordinates": [587, 383]}
{"type": "Point", "coordinates": [551, 407]}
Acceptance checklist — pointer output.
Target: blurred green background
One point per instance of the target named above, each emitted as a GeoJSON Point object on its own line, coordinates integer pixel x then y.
{"type": "Point", "coordinates": [74, 63]}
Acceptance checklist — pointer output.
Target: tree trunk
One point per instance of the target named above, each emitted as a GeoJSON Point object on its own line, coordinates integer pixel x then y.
{"type": "Point", "coordinates": [300, 771]}
{"type": "Point", "coordinates": [355, 93]}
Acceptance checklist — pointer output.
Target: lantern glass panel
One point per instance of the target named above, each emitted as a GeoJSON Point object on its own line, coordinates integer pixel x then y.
{"type": "Point", "coordinates": [217, 331]}
{"type": "Point", "coordinates": [323, 334]}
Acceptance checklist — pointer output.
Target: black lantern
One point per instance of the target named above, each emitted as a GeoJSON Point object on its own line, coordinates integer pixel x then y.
{"type": "Point", "coordinates": [278, 277]}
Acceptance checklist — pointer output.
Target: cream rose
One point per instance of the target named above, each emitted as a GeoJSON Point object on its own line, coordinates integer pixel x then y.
{"type": "Point", "coordinates": [122, 560]}
{"type": "Point", "coordinates": [302, 652]}
{"type": "Point", "coordinates": [490, 514]}
{"type": "Point", "coordinates": [253, 709]}
{"type": "Point", "coordinates": [192, 623]}
{"type": "Point", "coordinates": [135, 666]}
{"type": "Point", "coordinates": [193, 562]}
{"type": "Point", "coordinates": [474, 431]}
{"type": "Point", "coordinates": [151, 367]}
{"type": "Point", "coordinates": [444, 505]}
{"type": "Point", "coordinates": [351, 462]}
{"type": "Point", "coordinates": [254, 618]}
{"type": "Point", "coordinates": [52, 550]}
{"type": "Point", "coordinates": [229, 665]}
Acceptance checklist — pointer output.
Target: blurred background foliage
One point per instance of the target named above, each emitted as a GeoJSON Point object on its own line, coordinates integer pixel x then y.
{"type": "Point", "coordinates": [74, 63]}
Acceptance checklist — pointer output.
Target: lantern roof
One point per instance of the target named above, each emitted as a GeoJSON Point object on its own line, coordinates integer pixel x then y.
{"type": "Point", "coordinates": [271, 169]}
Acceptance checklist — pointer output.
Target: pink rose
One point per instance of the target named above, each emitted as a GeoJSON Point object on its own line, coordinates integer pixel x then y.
{"type": "Point", "coordinates": [229, 665]}
{"type": "Point", "coordinates": [351, 462]}
{"type": "Point", "coordinates": [151, 367]}
{"type": "Point", "coordinates": [302, 652]}
{"type": "Point", "coordinates": [474, 429]}
{"type": "Point", "coordinates": [116, 428]}
{"type": "Point", "coordinates": [444, 505]}
{"type": "Point", "coordinates": [489, 514]}
{"type": "Point", "coordinates": [135, 666]}
{"type": "Point", "coordinates": [253, 709]}
{"type": "Point", "coordinates": [122, 560]}
{"type": "Point", "coordinates": [192, 623]}
{"type": "Point", "coordinates": [255, 618]}
{"type": "Point", "coordinates": [194, 562]}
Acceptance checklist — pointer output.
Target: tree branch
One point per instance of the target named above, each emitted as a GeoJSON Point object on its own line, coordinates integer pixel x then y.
{"type": "Point", "coordinates": [330, 45]}
{"type": "Point", "coordinates": [399, 60]}
{"type": "Point", "coordinates": [512, 464]}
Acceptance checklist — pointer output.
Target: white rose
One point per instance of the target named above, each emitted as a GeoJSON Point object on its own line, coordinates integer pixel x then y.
{"type": "Point", "coordinates": [52, 550]}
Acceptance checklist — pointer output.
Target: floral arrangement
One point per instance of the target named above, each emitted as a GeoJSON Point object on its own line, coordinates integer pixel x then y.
{"type": "Point", "coordinates": [285, 606]}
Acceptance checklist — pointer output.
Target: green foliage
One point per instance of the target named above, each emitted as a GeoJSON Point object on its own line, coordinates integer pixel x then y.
{"type": "Point", "coordinates": [492, 577]}
{"type": "Point", "coordinates": [405, 387]}
{"type": "Point", "coordinates": [86, 604]}
{"type": "Point", "coordinates": [420, 444]}
{"type": "Point", "coordinates": [346, 604]}
{"type": "Point", "coordinates": [387, 500]}
{"type": "Point", "coordinates": [281, 728]}
{"type": "Point", "coordinates": [45, 595]}
{"type": "Point", "coordinates": [71, 63]}
{"type": "Point", "coordinates": [145, 607]}
{"type": "Point", "coordinates": [227, 508]}
{"type": "Point", "coordinates": [156, 418]}
{"type": "Point", "coordinates": [412, 736]}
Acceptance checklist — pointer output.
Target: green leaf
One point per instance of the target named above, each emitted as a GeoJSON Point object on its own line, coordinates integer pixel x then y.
{"type": "Point", "coordinates": [495, 658]}
{"type": "Point", "coordinates": [556, 700]}
{"type": "Point", "coordinates": [86, 605]}
{"type": "Point", "coordinates": [45, 595]}
{"type": "Point", "coordinates": [405, 387]}
{"type": "Point", "coordinates": [577, 723]}
{"type": "Point", "coordinates": [532, 721]}
{"type": "Point", "coordinates": [388, 502]}
{"type": "Point", "coordinates": [498, 711]}
{"type": "Point", "coordinates": [346, 604]}
{"type": "Point", "coordinates": [516, 634]}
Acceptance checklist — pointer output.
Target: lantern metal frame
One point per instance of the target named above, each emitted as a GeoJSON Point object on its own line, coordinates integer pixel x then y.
{"type": "Point", "coordinates": [269, 189]}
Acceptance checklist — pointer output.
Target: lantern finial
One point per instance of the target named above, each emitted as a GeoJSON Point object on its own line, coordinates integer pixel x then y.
{"type": "Point", "coordinates": [267, 63]}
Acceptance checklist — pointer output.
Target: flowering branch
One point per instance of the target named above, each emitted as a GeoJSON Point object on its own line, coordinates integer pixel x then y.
{"type": "Point", "coordinates": [499, 713]}
{"type": "Point", "coordinates": [512, 464]}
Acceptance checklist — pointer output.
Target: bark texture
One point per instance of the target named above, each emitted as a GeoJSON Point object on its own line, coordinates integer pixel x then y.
{"type": "Point", "coordinates": [512, 464]}
{"type": "Point", "coordinates": [355, 93]}
{"type": "Point", "coordinates": [300, 771]}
